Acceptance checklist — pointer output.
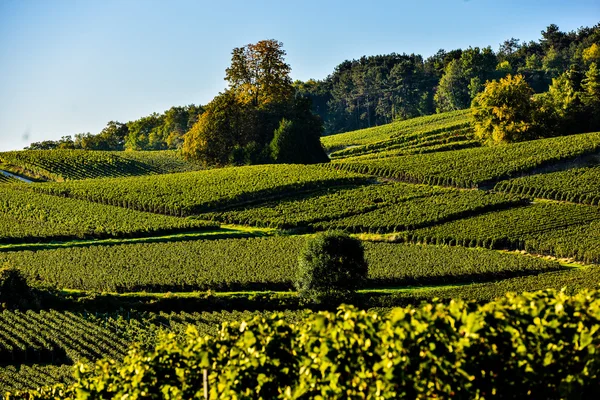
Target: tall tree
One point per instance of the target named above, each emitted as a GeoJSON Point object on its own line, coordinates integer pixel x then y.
{"type": "Point", "coordinates": [453, 90]}
{"type": "Point", "coordinates": [259, 74]}
{"type": "Point", "coordinates": [503, 112]}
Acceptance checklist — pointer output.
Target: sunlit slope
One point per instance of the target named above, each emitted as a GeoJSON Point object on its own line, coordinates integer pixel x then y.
{"type": "Point", "coordinates": [577, 185]}
{"type": "Point", "coordinates": [200, 191]}
{"type": "Point", "coordinates": [477, 166]}
{"type": "Point", "coordinates": [424, 131]}
{"type": "Point", "coordinates": [35, 217]}
{"type": "Point", "coordinates": [63, 165]}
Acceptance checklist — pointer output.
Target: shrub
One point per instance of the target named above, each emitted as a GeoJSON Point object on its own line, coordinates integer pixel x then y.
{"type": "Point", "coordinates": [331, 267]}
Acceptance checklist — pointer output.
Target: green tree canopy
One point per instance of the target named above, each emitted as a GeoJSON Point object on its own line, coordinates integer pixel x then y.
{"type": "Point", "coordinates": [331, 266]}
{"type": "Point", "coordinates": [503, 112]}
{"type": "Point", "coordinates": [259, 74]}
{"type": "Point", "coordinates": [258, 117]}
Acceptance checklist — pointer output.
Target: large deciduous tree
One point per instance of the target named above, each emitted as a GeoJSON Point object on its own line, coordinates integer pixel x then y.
{"type": "Point", "coordinates": [259, 74]}
{"type": "Point", "coordinates": [503, 112]}
{"type": "Point", "coordinates": [240, 124]}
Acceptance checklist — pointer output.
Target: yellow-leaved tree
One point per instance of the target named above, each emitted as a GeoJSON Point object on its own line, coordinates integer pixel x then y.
{"type": "Point", "coordinates": [503, 112]}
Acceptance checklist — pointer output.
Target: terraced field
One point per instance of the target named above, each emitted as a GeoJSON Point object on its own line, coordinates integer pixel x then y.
{"type": "Point", "coordinates": [479, 166]}
{"type": "Point", "coordinates": [147, 231]}
{"type": "Point", "coordinates": [578, 185]}
{"type": "Point", "coordinates": [64, 165]}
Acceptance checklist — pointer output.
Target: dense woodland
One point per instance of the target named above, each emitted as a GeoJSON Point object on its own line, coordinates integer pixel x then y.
{"type": "Point", "coordinates": [379, 89]}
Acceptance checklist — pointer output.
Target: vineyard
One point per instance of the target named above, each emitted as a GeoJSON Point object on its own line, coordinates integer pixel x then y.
{"type": "Point", "coordinates": [563, 230]}
{"type": "Point", "coordinates": [195, 192]}
{"type": "Point", "coordinates": [475, 167]}
{"type": "Point", "coordinates": [547, 341]}
{"type": "Point", "coordinates": [416, 140]}
{"type": "Point", "coordinates": [251, 264]}
{"type": "Point", "coordinates": [328, 204]}
{"type": "Point", "coordinates": [122, 243]}
{"type": "Point", "coordinates": [64, 165]}
{"type": "Point", "coordinates": [424, 211]}
{"type": "Point", "coordinates": [7, 179]}
{"type": "Point", "coordinates": [27, 218]}
{"type": "Point", "coordinates": [578, 185]}
{"type": "Point", "coordinates": [386, 132]}
{"type": "Point", "coordinates": [40, 348]}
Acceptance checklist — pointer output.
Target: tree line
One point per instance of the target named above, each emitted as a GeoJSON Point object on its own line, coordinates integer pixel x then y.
{"type": "Point", "coordinates": [261, 98]}
{"type": "Point", "coordinates": [379, 89]}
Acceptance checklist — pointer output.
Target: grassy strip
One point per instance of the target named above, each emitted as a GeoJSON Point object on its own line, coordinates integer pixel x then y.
{"type": "Point", "coordinates": [224, 232]}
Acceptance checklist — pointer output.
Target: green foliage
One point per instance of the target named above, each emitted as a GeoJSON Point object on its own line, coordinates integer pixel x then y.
{"type": "Point", "coordinates": [561, 230]}
{"type": "Point", "coordinates": [503, 112]}
{"type": "Point", "coordinates": [452, 93]}
{"type": "Point", "coordinates": [590, 96]}
{"type": "Point", "coordinates": [247, 123]}
{"type": "Point", "coordinates": [210, 140]}
{"type": "Point", "coordinates": [253, 264]}
{"type": "Point", "coordinates": [425, 210]}
{"type": "Point", "coordinates": [543, 344]}
{"type": "Point", "coordinates": [331, 267]}
{"type": "Point", "coordinates": [473, 167]}
{"type": "Point", "coordinates": [577, 185]}
{"type": "Point", "coordinates": [63, 165]}
{"type": "Point", "coordinates": [153, 132]}
{"type": "Point", "coordinates": [325, 205]}
{"type": "Point", "coordinates": [26, 216]}
{"type": "Point", "coordinates": [201, 191]}
{"type": "Point", "coordinates": [286, 143]}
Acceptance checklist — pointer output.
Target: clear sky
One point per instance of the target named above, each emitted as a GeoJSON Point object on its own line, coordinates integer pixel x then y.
{"type": "Point", "coordinates": [70, 66]}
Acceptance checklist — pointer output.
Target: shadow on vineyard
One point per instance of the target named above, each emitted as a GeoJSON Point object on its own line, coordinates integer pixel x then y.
{"type": "Point", "coordinates": [406, 227]}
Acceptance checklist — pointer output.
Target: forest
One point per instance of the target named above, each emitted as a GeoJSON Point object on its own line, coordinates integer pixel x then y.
{"type": "Point", "coordinates": [376, 90]}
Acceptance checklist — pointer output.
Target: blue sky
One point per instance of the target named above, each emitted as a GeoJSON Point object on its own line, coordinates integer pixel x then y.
{"type": "Point", "coordinates": [70, 66]}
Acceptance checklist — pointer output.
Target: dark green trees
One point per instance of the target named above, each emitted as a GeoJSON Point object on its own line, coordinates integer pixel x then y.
{"type": "Point", "coordinates": [258, 119]}
{"type": "Point", "coordinates": [331, 267]}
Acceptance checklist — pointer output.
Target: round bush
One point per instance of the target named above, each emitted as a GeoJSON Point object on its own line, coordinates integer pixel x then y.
{"type": "Point", "coordinates": [331, 267]}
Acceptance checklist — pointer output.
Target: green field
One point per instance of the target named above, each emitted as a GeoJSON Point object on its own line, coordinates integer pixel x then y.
{"type": "Point", "coordinates": [478, 166]}
{"type": "Point", "coordinates": [252, 264]}
{"type": "Point", "coordinates": [132, 244]}
{"type": "Point", "coordinates": [64, 165]}
{"type": "Point", "coordinates": [195, 192]}
{"type": "Point", "coordinates": [389, 131]}
{"type": "Point", "coordinates": [27, 217]}
{"type": "Point", "coordinates": [578, 185]}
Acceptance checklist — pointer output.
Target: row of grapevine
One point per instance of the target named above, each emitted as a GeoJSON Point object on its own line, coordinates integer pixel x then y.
{"type": "Point", "coordinates": [31, 376]}
{"type": "Point", "coordinates": [424, 211]}
{"type": "Point", "coordinates": [27, 216]}
{"type": "Point", "coordinates": [385, 132]}
{"type": "Point", "coordinates": [577, 185]}
{"type": "Point", "coordinates": [52, 337]}
{"type": "Point", "coordinates": [564, 230]}
{"type": "Point", "coordinates": [426, 136]}
{"type": "Point", "coordinates": [125, 328]}
{"type": "Point", "coordinates": [252, 264]}
{"type": "Point", "coordinates": [476, 166]}
{"type": "Point", "coordinates": [572, 280]}
{"type": "Point", "coordinates": [195, 192]}
{"type": "Point", "coordinates": [323, 205]}
{"type": "Point", "coordinates": [7, 179]}
{"type": "Point", "coordinates": [63, 165]}
{"type": "Point", "coordinates": [540, 345]}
